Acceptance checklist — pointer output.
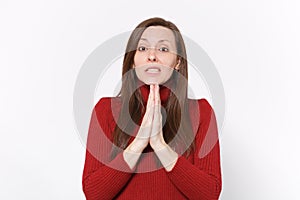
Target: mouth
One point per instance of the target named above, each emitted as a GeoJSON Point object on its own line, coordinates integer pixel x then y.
{"type": "Point", "coordinates": [153, 70]}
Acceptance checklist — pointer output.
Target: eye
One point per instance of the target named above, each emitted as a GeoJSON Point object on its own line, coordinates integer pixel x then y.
{"type": "Point", "coordinates": [142, 48]}
{"type": "Point", "coordinates": [164, 49]}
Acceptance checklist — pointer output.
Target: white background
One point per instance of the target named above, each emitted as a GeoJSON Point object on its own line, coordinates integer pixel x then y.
{"type": "Point", "coordinates": [254, 44]}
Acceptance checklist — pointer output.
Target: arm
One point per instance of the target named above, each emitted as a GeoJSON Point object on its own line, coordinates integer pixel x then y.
{"type": "Point", "coordinates": [103, 178]}
{"type": "Point", "coordinates": [202, 179]}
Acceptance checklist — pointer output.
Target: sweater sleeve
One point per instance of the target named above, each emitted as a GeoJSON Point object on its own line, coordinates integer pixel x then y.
{"type": "Point", "coordinates": [202, 179]}
{"type": "Point", "coordinates": [103, 177]}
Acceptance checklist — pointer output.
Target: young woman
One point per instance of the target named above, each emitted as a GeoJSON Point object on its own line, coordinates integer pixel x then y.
{"type": "Point", "coordinates": [151, 141]}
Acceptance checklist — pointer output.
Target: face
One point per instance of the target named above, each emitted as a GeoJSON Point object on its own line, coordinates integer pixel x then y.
{"type": "Point", "coordinates": [156, 58]}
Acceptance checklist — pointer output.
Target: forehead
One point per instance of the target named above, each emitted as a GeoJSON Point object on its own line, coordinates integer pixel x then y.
{"type": "Point", "coordinates": [158, 33]}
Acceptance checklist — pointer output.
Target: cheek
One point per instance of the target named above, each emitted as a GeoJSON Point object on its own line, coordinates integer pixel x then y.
{"type": "Point", "coordinates": [134, 60]}
{"type": "Point", "coordinates": [170, 61]}
{"type": "Point", "coordinates": [138, 58]}
{"type": "Point", "coordinates": [138, 70]}
{"type": "Point", "coordinates": [167, 72]}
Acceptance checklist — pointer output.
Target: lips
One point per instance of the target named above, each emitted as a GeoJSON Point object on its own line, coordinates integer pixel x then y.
{"type": "Point", "coordinates": [153, 69]}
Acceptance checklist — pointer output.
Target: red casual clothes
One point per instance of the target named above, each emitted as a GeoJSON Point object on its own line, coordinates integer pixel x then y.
{"type": "Point", "coordinates": [195, 177]}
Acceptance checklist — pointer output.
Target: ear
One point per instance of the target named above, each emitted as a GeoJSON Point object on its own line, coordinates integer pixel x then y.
{"type": "Point", "coordinates": [177, 65]}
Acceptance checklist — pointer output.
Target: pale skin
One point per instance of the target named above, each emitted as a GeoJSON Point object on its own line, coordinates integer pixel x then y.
{"type": "Point", "coordinates": [151, 132]}
{"type": "Point", "coordinates": [156, 47]}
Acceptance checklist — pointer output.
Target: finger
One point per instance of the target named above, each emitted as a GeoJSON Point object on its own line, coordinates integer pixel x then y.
{"type": "Point", "coordinates": [156, 101]}
{"type": "Point", "coordinates": [157, 95]}
{"type": "Point", "coordinates": [148, 117]}
{"type": "Point", "coordinates": [146, 125]}
{"type": "Point", "coordinates": [150, 97]}
{"type": "Point", "coordinates": [151, 103]}
{"type": "Point", "coordinates": [157, 122]}
{"type": "Point", "coordinates": [153, 93]}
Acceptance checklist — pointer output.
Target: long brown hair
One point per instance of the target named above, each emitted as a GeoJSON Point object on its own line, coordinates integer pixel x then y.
{"type": "Point", "coordinates": [177, 112]}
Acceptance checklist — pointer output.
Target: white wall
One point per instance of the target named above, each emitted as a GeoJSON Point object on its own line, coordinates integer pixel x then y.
{"type": "Point", "coordinates": [254, 44]}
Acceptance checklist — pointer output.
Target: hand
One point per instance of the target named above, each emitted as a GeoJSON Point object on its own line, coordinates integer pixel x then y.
{"type": "Point", "coordinates": [166, 155]}
{"type": "Point", "coordinates": [142, 138]}
{"type": "Point", "coordinates": [151, 132]}
{"type": "Point", "coordinates": [157, 141]}
{"type": "Point", "coordinates": [134, 150]}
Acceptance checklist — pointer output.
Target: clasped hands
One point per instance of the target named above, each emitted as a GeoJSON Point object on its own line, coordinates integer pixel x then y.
{"type": "Point", "coordinates": [151, 127]}
{"type": "Point", "coordinates": [150, 132]}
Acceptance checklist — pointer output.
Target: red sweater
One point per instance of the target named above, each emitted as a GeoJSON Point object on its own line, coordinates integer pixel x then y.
{"type": "Point", "coordinates": [195, 177]}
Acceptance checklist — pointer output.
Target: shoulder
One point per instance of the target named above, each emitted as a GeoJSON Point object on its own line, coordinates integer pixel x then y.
{"type": "Point", "coordinates": [200, 108]}
{"type": "Point", "coordinates": [107, 108]}
{"type": "Point", "coordinates": [106, 103]}
{"type": "Point", "coordinates": [203, 105]}
{"type": "Point", "coordinates": [106, 111]}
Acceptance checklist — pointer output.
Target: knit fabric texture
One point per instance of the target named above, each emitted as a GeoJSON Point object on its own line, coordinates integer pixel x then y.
{"type": "Point", "coordinates": [196, 177]}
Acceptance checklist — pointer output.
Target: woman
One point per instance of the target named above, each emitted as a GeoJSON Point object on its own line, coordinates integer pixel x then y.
{"type": "Point", "coordinates": [151, 141]}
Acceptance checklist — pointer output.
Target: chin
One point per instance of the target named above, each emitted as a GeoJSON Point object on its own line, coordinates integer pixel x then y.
{"type": "Point", "coordinates": [153, 82]}
{"type": "Point", "coordinates": [149, 82]}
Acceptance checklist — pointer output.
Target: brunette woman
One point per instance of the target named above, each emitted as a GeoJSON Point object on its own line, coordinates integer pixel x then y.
{"type": "Point", "coordinates": [151, 141]}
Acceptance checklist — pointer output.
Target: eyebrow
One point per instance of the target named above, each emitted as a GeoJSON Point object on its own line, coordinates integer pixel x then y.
{"type": "Point", "coordinates": [163, 40]}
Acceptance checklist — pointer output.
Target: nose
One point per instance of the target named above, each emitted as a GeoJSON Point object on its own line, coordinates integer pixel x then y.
{"type": "Point", "coordinates": [152, 55]}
